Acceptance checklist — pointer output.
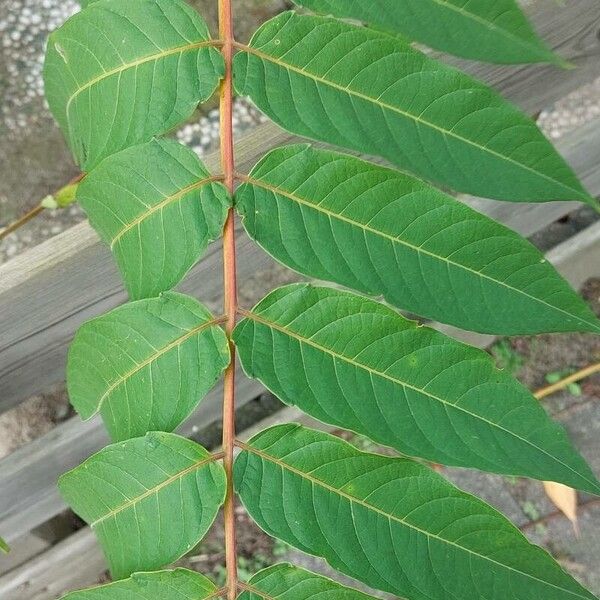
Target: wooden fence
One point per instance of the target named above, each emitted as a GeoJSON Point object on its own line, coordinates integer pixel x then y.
{"type": "Point", "coordinates": [47, 292]}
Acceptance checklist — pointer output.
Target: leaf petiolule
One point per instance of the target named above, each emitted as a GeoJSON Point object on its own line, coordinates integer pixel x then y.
{"type": "Point", "coordinates": [392, 523]}
{"type": "Point", "coordinates": [338, 218]}
{"type": "Point", "coordinates": [146, 365]}
{"type": "Point", "coordinates": [102, 91]}
{"type": "Point", "coordinates": [357, 364]}
{"type": "Point", "coordinates": [157, 207]}
{"type": "Point", "coordinates": [286, 582]}
{"type": "Point", "coordinates": [495, 31]}
{"type": "Point", "coordinates": [149, 500]}
{"type": "Point", "coordinates": [178, 584]}
{"type": "Point", "coordinates": [371, 92]}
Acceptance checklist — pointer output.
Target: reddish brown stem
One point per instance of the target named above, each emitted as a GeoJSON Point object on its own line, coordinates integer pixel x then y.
{"type": "Point", "coordinates": [34, 212]}
{"type": "Point", "coordinates": [21, 221]}
{"type": "Point", "coordinates": [230, 291]}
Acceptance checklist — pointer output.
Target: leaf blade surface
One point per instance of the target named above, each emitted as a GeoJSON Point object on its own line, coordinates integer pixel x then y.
{"type": "Point", "coordinates": [101, 90]}
{"type": "Point", "coordinates": [157, 207]}
{"type": "Point", "coordinates": [362, 511]}
{"type": "Point", "coordinates": [146, 365]}
{"type": "Point", "coordinates": [496, 31]}
{"type": "Point", "coordinates": [149, 500]}
{"type": "Point", "coordinates": [286, 582]}
{"type": "Point", "coordinates": [370, 92]}
{"type": "Point", "coordinates": [337, 218]}
{"type": "Point", "coordinates": [357, 364]}
{"type": "Point", "coordinates": [177, 584]}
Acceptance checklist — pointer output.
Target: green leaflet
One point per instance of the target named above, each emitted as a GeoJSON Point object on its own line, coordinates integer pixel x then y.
{"type": "Point", "coordinates": [157, 207]}
{"type": "Point", "coordinates": [179, 584]}
{"type": "Point", "coordinates": [338, 218]}
{"type": "Point", "coordinates": [4, 547]}
{"type": "Point", "coordinates": [146, 365]}
{"type": "Point", "coordinates": [370, 92]}
{"type": "Point", "coordinates": [149, 500]}
{"type": "Point", "coordinates": [357, 364]}
{"type": "Point", "coordinates": [392, 523]}
{"type": "Point", "coordinates": [492, 30]}
{"type": "Point", "coordinates": [285, 582]}
{"type": "Point", "coordinates": [103, 92]}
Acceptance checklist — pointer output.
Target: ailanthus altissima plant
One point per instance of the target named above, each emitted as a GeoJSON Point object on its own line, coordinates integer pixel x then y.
{"type": "Point", "coordinates": [122, 73]}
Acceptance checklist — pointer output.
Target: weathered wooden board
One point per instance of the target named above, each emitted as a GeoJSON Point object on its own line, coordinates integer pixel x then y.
{"type": "Point", "coordinates": [73, 563]}
{"type": "Point", "coordinates": [21, 552]}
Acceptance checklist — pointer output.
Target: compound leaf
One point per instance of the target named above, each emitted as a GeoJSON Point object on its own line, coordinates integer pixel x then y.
{"type": "Point", "coordinates": [371, 92]}
{"type": "Point", "coordinates": [149, 499]}
{"type": "Point", "coordinates": [285, 582]}
{"type": "Point", "coordinates": [357, 364]}
{"type": "Point", "coordinates": [178, 584]}
{"type": "Point", "coordinates": [495, 31]}
{"type": "Point", "coordinates": [157, 207]}
{"type": "Point", "coordinates": [146, 365]}
{"type": "Point", "coordinates": [338, 218]}
{"type": "Point", "coordinates": [102, 68]}
{"type": "Point", "coordinates": [392, 523]}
